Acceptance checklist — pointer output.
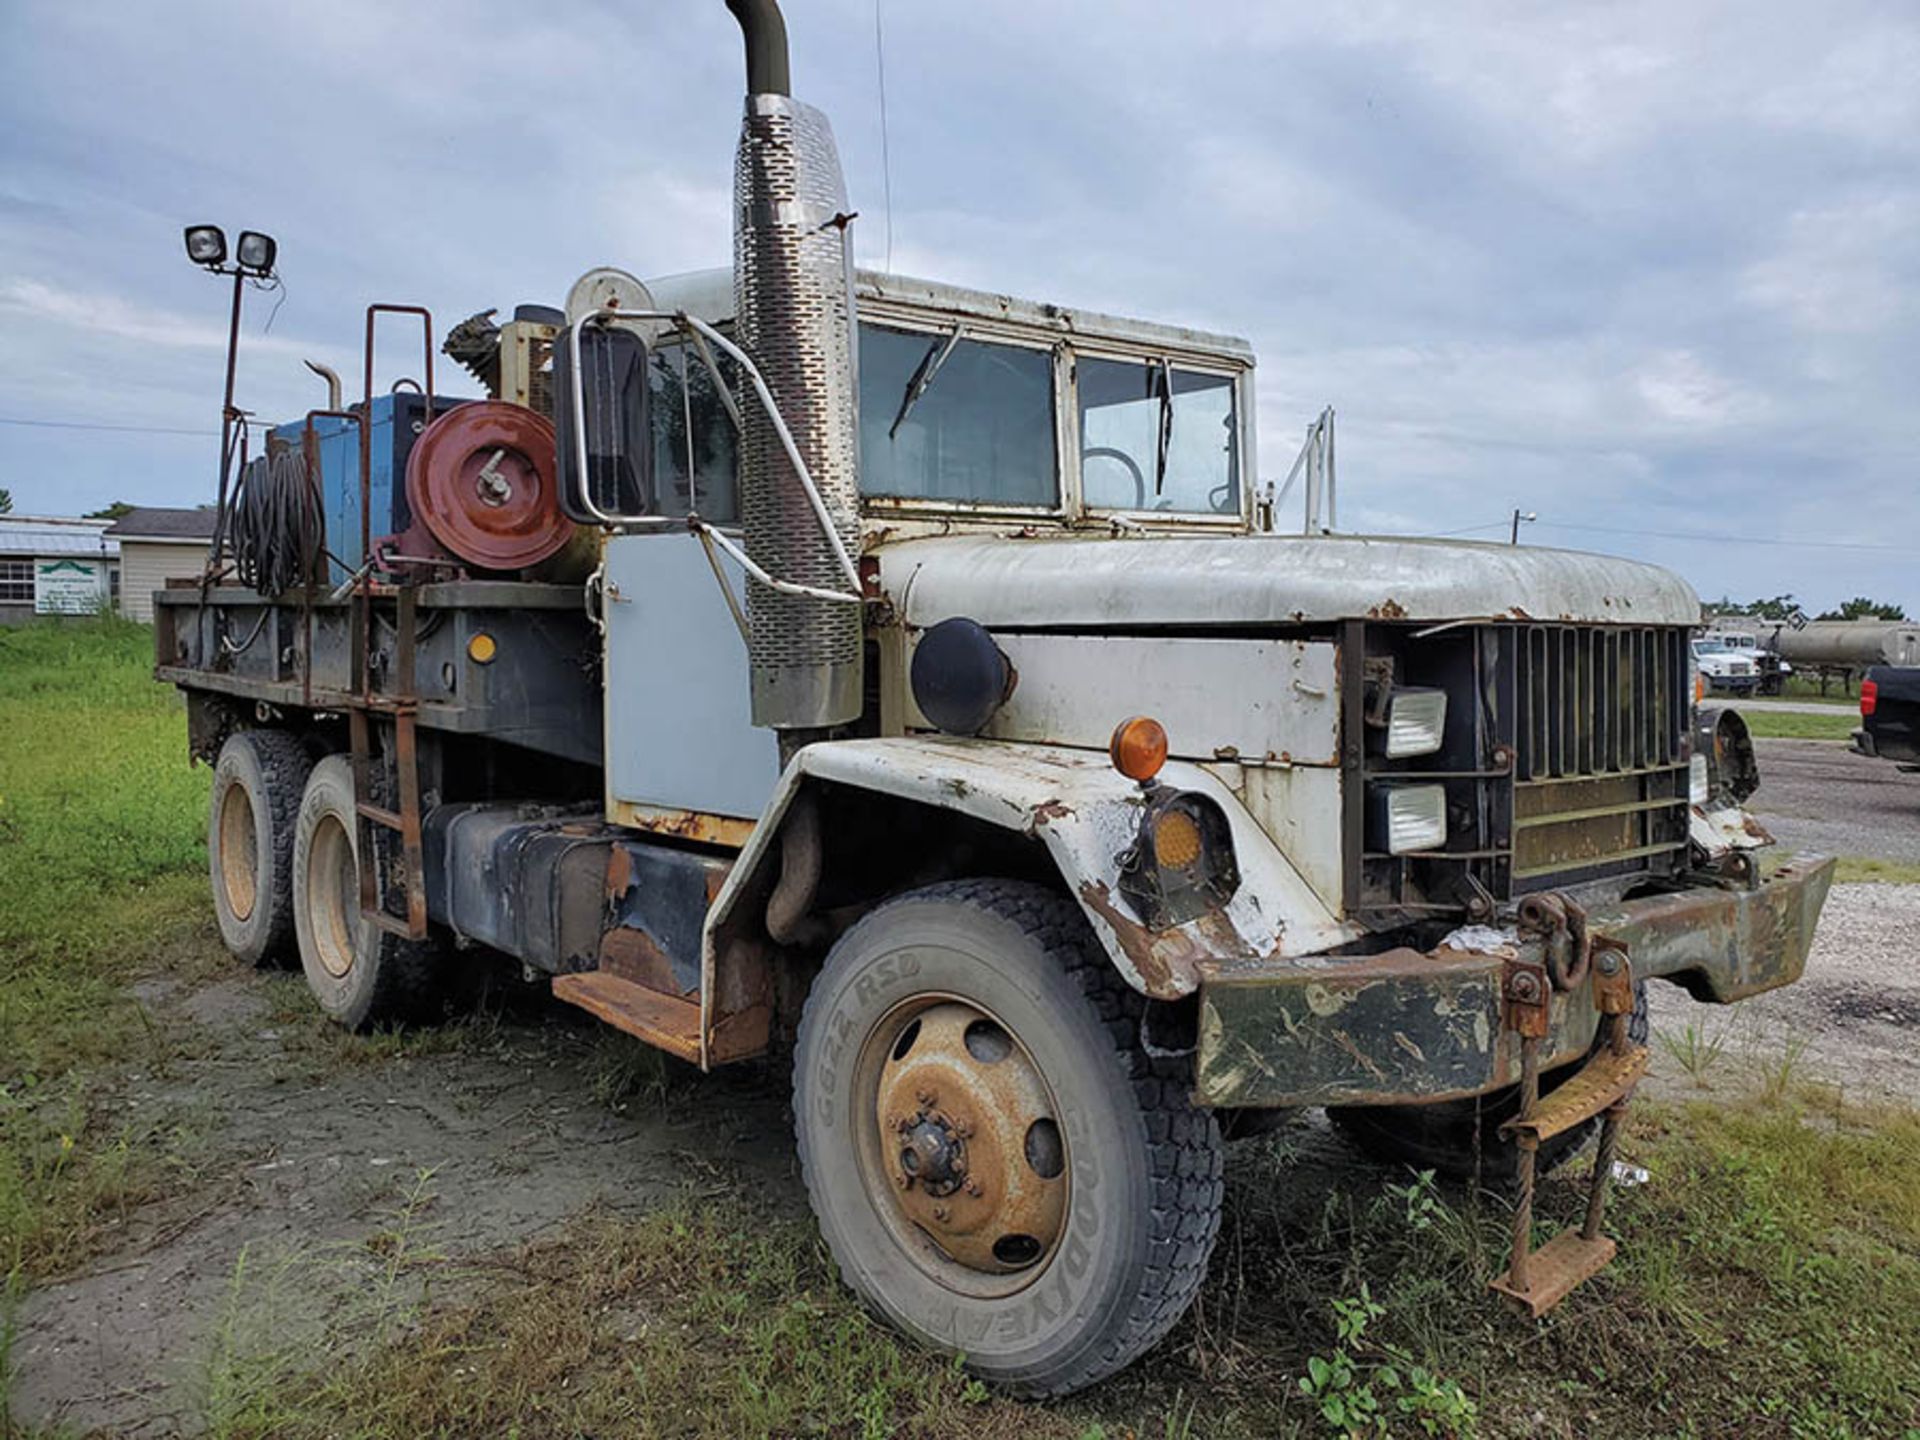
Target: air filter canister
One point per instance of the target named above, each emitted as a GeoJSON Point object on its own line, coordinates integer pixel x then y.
{"type": "Point", "coordinates": [795, 318]}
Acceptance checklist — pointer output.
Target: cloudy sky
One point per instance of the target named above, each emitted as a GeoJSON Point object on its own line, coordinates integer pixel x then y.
{"type": "Point", "coordinates": [1649, 270]}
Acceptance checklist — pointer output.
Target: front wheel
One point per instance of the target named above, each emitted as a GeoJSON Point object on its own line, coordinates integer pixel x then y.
{"type": "Point", "coordinates": [997, 1165]}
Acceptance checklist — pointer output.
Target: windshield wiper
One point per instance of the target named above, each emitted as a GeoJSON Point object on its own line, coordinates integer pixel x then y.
{"type": "Point", "coordinates": [1165, 377]}
{"type": "Point", "coordinates": [921, 380]}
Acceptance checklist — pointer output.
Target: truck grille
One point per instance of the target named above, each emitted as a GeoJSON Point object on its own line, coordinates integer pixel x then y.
{"type": "Point", "coordinates": [1564, 760]}
{"type": "Point", "coordinates": [1600, 749]}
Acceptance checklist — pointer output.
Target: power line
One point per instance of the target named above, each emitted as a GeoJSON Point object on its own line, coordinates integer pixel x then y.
{"type": "Point", "coordinates": [1715, 539]}
{"type": "Point", "coordinates": [1655, 534]}
{"type": "Point", "coordinates": [97, 425]}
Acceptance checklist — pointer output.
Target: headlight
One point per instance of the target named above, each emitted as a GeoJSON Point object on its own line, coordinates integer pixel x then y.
{"type": "Point", "coordinates": [1410, 818]}
{"type": "Point", "coordinates": [1416, 721]}
{"type": "Point", "coordinates": [1699, 782]}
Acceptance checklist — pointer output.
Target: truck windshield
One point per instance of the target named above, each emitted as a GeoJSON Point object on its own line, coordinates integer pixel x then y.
{"type": "Point", "coordinates": [1155, 437]}
{"type": "Point", "coordinates": [978, 428]}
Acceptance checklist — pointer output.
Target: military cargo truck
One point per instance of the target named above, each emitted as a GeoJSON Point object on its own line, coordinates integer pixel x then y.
{"type": "Point", "coordinates": [915, 684]}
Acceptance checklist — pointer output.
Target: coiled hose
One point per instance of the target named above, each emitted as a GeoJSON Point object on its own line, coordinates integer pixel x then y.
{"type": "Point", "coordinates": [276, 532]}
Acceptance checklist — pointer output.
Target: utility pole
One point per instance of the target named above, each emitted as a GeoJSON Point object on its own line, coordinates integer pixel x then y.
{"type": "Point", "coordinates": [1518, 516]}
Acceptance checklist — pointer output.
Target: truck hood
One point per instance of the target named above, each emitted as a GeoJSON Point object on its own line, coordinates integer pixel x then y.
{"type": "Point", "coordinates": [1147, 581]}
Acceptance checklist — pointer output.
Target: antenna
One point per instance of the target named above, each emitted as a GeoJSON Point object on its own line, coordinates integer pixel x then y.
{"type": "Point", "coordinates": [886, 158]}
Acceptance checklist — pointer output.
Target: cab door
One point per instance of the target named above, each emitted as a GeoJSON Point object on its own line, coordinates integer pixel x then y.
{"type": "Point", "coordinates": [678, 733]}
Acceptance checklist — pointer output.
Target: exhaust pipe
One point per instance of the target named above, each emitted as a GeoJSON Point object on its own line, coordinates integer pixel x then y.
{"type": "Point", "coordinates": [793, 303]}
{"type": "Point", "coordinates": [765, 31]}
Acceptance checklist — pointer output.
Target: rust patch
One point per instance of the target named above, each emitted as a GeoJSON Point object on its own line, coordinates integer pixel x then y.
{"type": "Point", "coordinates": [1388, 609]}
{"type": "Point", "coordinates": [1169, 963]}
{"type": "Point", "coordinates": [633, 955]}
{"type": "Point", "coordinates": [684, 824]}
{"type": "Point", "coordinates": [619, 870]}
{"type": "Point", "coordinates": [1048, 811]}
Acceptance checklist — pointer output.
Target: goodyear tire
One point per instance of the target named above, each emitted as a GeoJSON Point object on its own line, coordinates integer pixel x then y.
{"type": "Point", "coordinates": [1442, 1136]}
{"type": "Point", "coordinates": [361, 974]}
{"type": "Point", "coordinates": [997, 1167]}
{"type": "Point", "coordinates": [257, 783]}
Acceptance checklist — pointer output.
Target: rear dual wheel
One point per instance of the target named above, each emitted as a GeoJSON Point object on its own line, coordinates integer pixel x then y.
{"type": "Point", "coordinates": [361, 974]}
{"type": "Point", "coordinates": [258, 780]}
{"type": "Point", "coordinates": [997, 1165]}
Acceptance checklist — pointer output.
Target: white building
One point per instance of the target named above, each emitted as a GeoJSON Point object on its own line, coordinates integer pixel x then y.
{"type": "Point", "coordinates": [158, 545]}
{"type": "Point", "coordinates": [56, 566]}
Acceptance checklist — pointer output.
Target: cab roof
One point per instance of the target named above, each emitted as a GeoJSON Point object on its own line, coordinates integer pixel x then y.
{"type": "Point", "coordinates": [708, 294]}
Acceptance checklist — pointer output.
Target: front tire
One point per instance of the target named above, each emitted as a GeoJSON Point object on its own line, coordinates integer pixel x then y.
{"type": "Point", "coordinates": [361, 974]}
{"type": "Point", "coordinates": [996, 1164]}
{"type": "Point", "coordinates": [258, 780]}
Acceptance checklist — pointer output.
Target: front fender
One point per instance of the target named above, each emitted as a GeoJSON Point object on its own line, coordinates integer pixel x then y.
{"type": "Point", "coordinates": [1086, 814]}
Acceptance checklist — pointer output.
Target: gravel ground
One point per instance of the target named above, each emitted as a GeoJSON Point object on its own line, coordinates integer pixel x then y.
{"type": "Point", "coordinates": [1852, 1020]}
{"type": "Point", "coordinates": [1820, 796]}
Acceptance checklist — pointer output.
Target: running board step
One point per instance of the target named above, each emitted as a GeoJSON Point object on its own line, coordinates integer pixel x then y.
{"type": "Point", "coordinates": [1606, 1079]}
{"type": "Point", "coordinates": [668, 1022]}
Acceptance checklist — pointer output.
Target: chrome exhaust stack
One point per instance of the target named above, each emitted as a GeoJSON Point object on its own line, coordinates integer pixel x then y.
{"type": "Point", "coordinates": [793, 303]}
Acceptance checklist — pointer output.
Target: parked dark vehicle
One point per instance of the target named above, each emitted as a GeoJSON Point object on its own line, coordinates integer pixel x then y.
{"type": "Point", "coordinates": [1890, 715]}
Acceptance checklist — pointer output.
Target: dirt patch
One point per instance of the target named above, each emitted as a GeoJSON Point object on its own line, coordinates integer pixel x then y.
{"type": "Point", "coordinates": [316, 1162]}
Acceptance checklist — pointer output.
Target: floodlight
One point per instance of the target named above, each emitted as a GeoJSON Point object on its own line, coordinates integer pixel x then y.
{"type": "Point", "coordinates": [207, 244]}
{"type": "Point", "coordinates": [255, 252]}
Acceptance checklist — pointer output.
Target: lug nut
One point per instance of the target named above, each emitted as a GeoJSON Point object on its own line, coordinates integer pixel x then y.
{"type": "Point", "coordinates": [906, 1181]}
{"type": "Point", "coordinates": [973, 1187]}
{"type": "Point", "coordinates": [939, 1212]}
{"type": "Point", "coordinates": [964, 1129]}
{"type": "Point", "coordinates": [925, 1097]}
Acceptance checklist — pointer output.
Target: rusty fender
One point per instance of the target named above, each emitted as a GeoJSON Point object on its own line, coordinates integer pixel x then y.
{"type": "Point", "coordinates": [1086, 814]}
{"type": "Point", "coordinates": [1405, 1026]}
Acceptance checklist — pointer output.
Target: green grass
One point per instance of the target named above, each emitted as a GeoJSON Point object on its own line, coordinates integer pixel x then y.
{"type": "Point", "coordinates": [102, 878]}
{"type": "Point", "coordinates": [1867, 869]}
{"type": "Point", "coordinates": [1768, 1285]}
{"type": "Point", "coordinates": [1805, 687]}
{"type": "Point", "coordinates": [1766, 724]}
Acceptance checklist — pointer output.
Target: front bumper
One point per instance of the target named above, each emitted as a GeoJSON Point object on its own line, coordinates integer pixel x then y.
{"type": "Point", "coordinates": [1405, 1027]}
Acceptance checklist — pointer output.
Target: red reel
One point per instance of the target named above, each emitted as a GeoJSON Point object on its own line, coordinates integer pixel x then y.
{"type": "Point", "coordinates": [481, 478]}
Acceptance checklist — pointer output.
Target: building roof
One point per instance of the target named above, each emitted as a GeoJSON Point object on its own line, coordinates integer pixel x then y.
{"type": "Point", "coordinates": [159, 522]}
{"type": "Point", "coordinates": [55, 535]}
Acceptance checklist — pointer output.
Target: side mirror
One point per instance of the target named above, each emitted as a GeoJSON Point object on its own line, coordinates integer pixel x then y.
{"type": "Point", "coordinates": [610, 419]}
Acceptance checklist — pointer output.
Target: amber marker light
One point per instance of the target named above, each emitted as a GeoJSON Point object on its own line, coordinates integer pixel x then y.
{"type": "Point", "coordinates": [1176, 840]}
{"type": "Point", "coordinates": [481, 648]}
{"type": "Point", "coordinates": [1138, 748]}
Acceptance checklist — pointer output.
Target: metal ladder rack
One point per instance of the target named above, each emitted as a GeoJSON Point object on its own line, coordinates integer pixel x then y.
{"type": "Point", "coordinates": [398, 704]}
{"type": "Point", "coordinates": [400, 707]}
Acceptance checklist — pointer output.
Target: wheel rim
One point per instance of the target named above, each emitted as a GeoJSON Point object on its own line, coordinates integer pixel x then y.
{"type": "Point", "coordinates": [962, 1151]}
{"type": "Point", "coordinates": [333, 895]}
{"type": "Point", "coordinates": [239, 852]}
